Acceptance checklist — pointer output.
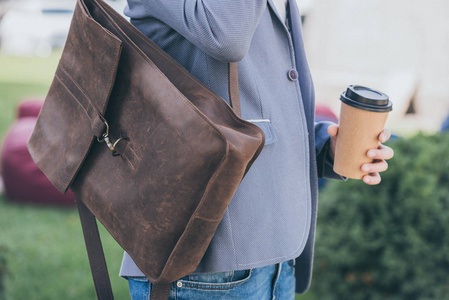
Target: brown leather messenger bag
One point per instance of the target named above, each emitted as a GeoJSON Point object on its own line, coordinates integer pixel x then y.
{"type": "Point", "coordinates": [147, 149]}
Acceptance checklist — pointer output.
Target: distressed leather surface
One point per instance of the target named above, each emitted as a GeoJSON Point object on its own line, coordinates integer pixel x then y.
{"type": "Point", "coordinates": [86, 73]}
{"type": "Point", "coordinates": [187, 151]}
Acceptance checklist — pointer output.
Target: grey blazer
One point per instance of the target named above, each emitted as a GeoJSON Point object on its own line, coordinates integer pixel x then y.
{"type": "Point", "coordinates": [272, 216]}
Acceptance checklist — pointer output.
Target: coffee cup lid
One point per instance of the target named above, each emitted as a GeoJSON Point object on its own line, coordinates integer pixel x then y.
{"type": "Point", "coordinates": [367, 99]}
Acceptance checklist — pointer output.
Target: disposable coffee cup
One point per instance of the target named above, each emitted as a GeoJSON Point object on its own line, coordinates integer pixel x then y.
{"type": "Point", "coordinates": [363, 114]}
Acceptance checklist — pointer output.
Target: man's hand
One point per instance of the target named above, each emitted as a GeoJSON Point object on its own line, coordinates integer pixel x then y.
{"type": "Point", "coordinates": [379, 155]}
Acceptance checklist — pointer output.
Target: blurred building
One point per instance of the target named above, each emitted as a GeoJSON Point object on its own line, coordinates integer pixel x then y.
{"type": "Point", "coordinates": [36, 27]}
{"type": "Point", "coordinates": [398, 46]}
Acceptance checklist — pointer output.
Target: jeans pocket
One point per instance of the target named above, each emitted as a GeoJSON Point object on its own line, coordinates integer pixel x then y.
{"type": "Point", "coordinates": [216, 281]}
{"type": "Point", "coordinates": [139, 288]}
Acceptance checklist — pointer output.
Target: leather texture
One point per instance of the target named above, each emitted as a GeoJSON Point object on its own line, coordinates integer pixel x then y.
{"type": "Point", "coordinates": [181, 150]}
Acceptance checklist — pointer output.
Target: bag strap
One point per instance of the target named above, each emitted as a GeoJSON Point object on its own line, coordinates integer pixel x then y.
{"type": "Point", "coordinates": [95, 253]}
{"type": "Point", "coordinates": [92, 239]}
{"type": "Point", "coordinates": [233, 88]}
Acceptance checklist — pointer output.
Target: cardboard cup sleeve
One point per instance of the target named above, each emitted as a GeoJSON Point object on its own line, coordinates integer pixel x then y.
{"type": "Point", "coordinates": [358, 132]}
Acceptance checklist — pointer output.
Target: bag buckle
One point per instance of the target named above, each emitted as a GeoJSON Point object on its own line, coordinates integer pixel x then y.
{"type": "Point", "coordinates": [105, 138]}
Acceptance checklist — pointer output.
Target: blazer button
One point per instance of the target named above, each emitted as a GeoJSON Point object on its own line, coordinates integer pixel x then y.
{"type": "Point", "coordinates": [292, 75]}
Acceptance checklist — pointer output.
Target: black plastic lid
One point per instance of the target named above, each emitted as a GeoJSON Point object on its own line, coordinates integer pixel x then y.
{"type": "Point", "coordinates": [367, 99]}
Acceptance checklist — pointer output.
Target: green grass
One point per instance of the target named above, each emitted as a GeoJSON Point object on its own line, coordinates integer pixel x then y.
{"type": "Point", "coordinates": [44, 247]}
{"type": "Point", "coordinates": [33, 69]}
{"type": "Point", "coordinates": [46, 257]}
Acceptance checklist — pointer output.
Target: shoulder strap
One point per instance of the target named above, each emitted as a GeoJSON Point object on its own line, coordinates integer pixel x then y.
{"type": "Point", "coordinates": [94, 248]}
{"type": "Point", "coordinates": [95, 253]}
{"type": "Point", "coordinates": [233, 88]}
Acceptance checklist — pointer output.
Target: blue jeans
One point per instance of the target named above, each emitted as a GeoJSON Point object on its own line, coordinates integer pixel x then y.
{"type": "Point", "coordinates": [270, 282]}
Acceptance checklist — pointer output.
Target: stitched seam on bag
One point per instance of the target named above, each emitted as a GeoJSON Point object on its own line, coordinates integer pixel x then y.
{"type": "Point", "coordinates": [163, 77]}
{"type": "Point", "coordinates": [73, 96]}
{"type": "Point", "coordinates": [91, 102]}
{"type": "Point", "coordinates": [207, 219]}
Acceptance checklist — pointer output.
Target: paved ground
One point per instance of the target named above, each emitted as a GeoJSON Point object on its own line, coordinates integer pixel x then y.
{"type": "Point", "coordinates": [398, 46]}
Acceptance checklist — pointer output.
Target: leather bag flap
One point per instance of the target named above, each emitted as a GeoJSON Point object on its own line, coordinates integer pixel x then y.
{"type": "Point", "coordinates": [72, 113]}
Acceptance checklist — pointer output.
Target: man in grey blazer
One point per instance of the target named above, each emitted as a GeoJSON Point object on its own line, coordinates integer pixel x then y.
{"type": "Point", "coordinates": [268, 230]}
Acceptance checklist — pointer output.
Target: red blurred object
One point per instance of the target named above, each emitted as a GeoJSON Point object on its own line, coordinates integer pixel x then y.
{"type": "Point", "coordinates": [22, 180]}
{"type": "Point", "coordinates": [324, 113]}
{"type": "Point", "coordinates": [30, 107]}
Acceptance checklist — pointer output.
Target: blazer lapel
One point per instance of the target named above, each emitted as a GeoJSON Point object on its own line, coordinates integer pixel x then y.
{"type": "Point", "coordinates": [273, 8]}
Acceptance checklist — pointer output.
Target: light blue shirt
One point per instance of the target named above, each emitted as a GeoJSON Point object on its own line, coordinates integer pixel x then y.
{"type": "Point", "coordinates": [272, 216]}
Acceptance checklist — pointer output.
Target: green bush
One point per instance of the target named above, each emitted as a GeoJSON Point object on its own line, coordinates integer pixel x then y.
{"type": "Point", "coordinates": [389, 241]}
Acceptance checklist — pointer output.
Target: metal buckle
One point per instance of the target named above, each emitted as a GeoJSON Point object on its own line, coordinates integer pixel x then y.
{"type": "Point", "coordinates": [105, 138]}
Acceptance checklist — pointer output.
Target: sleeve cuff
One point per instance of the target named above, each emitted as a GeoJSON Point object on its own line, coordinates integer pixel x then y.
{"type": "Point", "coordinates": [326, 164]}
